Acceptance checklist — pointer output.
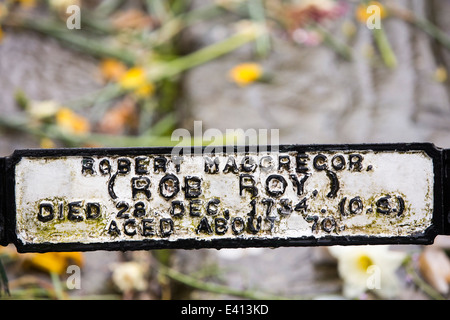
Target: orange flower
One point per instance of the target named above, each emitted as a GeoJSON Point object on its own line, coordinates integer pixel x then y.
{"type": "Point", "coordinates": [361, 11]}
{"type": "Point", "coordinates": [69, 121]}
{"type": "Point", "coordinates": [112, 69]}
{"type": "Point", "coordinates": [145, 90]}
{"type": "Point", "coordinates": [246, 73]}
{"type": "Point", "coordinates": [55, 262]}
{"type": "Point", "coordinates": [119, 117]}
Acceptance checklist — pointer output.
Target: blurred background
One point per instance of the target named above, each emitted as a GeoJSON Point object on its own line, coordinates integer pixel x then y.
{"type": "Point", "coordinates": [127, 73]}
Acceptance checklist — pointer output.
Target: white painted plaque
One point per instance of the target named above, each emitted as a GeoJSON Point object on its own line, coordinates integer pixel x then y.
{"type": "Point", "coordinates": [223, 199]}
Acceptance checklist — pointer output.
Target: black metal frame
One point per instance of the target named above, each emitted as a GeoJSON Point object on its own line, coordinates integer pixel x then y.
{"type": "Point", "coordinates": [440, 224]}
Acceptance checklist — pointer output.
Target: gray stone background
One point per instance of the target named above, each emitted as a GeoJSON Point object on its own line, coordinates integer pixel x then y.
{"type": "Point", "coordinates": [315, 97]}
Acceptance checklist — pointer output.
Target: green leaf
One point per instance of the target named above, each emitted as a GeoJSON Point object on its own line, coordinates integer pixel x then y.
{"type": "Point", "coordinates": [3, 280]}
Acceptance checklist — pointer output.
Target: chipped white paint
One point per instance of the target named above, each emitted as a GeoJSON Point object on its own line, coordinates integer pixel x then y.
{"type": "Point", "coordinates": [392, 196]}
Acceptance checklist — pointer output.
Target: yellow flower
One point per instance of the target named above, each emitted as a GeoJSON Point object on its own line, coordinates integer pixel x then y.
{"type": "Point", "coordinates": [27, 4]}
{"type": "Point", "coordinates": [47, 143]}
{"type": "Point", "coordinates": [112, 69]}
{"type": "Point", "coordinates": [56, 262]}
{"type": "Point", "coordinates": [246, 73]}
{"type": "Point", "coordinates": [68, 120]}
{"type": "Point", "coordinates": [133, 78]}
{"type": "Point", "coordinates": [440, 74]}
{"type": "Point", "coordinates": [364, 262]}
{"type": "Point", "coordinates": [361, 11]}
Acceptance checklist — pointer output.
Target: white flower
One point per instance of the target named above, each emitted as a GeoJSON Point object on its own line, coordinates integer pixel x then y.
{"type": "Point", "coordinates": [62, 5]}
{"type": "Point", "coordinates": [129, 276]}
{"type": "Point", "coordinates": [364, 268]}
{"type": "Point", "coordinates": [43, 109]}
{"type": "Point", "coordinates": [326, 5]}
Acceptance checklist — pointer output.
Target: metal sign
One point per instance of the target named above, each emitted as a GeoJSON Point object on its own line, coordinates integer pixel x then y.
{"type": "Point", "coordinates": [149, 198]}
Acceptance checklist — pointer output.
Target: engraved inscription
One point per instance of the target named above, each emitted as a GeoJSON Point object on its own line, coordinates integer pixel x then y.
{"type": "Point", "coordinates": [91, 199]}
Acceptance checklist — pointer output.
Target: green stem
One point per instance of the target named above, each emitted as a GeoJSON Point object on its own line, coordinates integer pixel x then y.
{"type": "Point", "coordinates": [71, 140]}
{"type": "Point", "coordinates": [434, 31]}
{"type": "Point", "coordinates": [97, 23]}
{"type": "Point", "coordinates": [216, 288]}
{"type": "Point", "coordinates": [256, 12]}
{"type": "Point", "coordinates": [73, 37]}
{"type": "Point", "coordinates": [106, 8]}
{"type": "Point", "coordinates": [201, 56]}
{"type": "Point", "coordinates": [103, 95]}
{"type": "Point", "coordinates": [430, 291]}
{"type": "Point", "coordinates": [175, 25]}
{"type": "Point", "coordinates": [108, 140]}
{"type": "Point", "coordinates": [422, 23]}
{"type": "Point", "coordinates": [388, 56]}
{"type": "Point", "coordinates": [57, 286]}
{"type": "Point", "coordinates": [30, 294]}
{"type": "Point", "coordinates": [158, 9]}
{"type": "Point", "coordinates": [97, 297]}
{"type": "Point", "coordinates": [3, 280]}
{"type": "Point", "coordinates": [339, 47]}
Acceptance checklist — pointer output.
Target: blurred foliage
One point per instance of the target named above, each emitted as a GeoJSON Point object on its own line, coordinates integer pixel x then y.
{"type": "Point", "coordinates": [141, 60]}
{"type": "Point", "coordinates": [140, 63]}
{"type": "Point", "coordinates": [137, 45]}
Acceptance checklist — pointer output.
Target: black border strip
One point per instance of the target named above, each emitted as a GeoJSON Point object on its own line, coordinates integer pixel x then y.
{"type": "Point", "coordinates": [3, 200]}
{"type": "Point", "coordinates": [437, 226]}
